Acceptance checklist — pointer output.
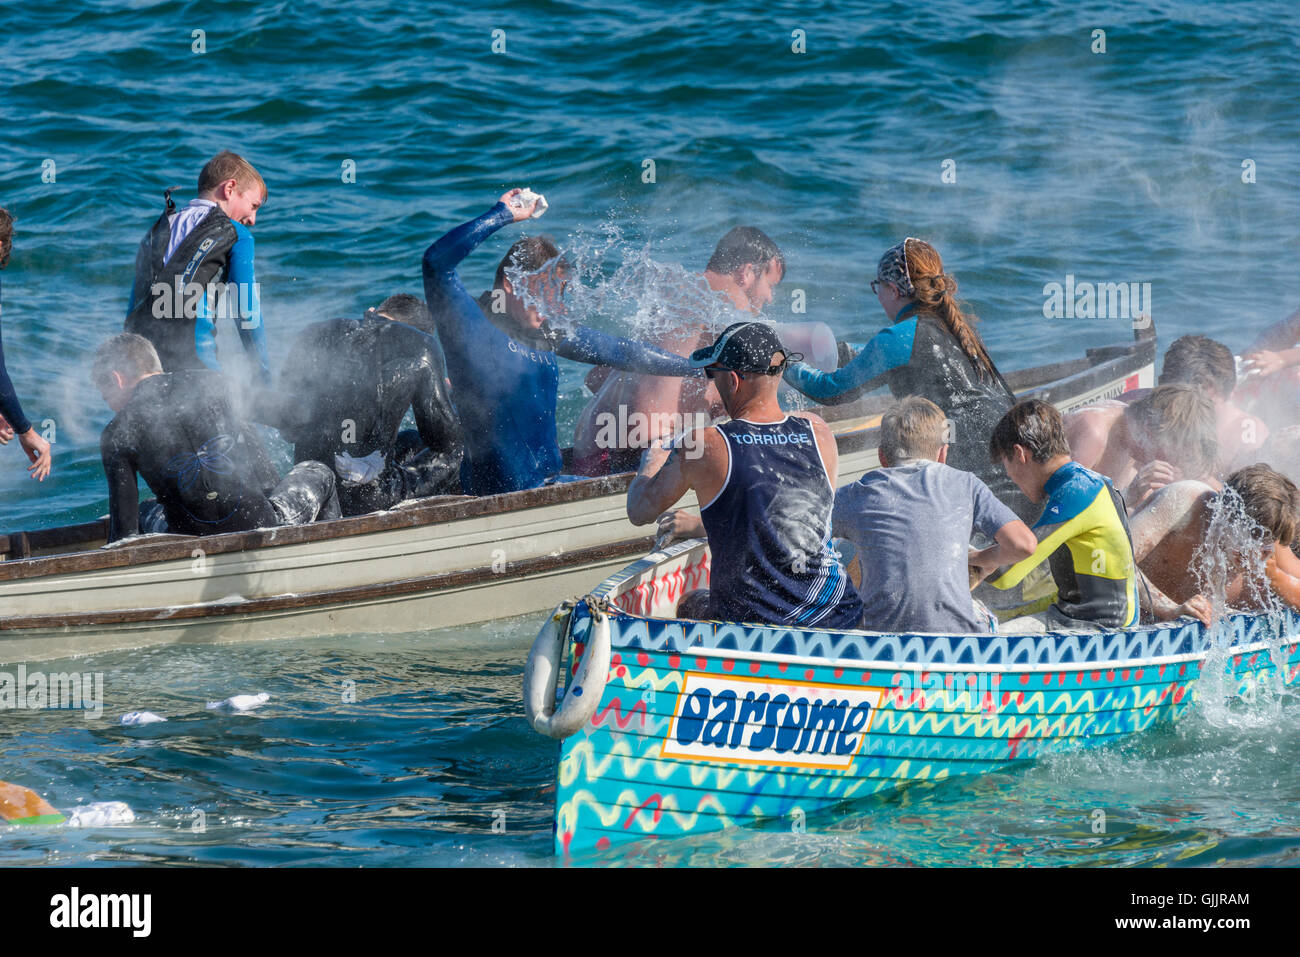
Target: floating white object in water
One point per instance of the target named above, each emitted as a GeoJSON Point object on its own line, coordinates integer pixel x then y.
{"type": "Point", "coordinates": [526, 197]}
{"type": "Point", "coordinates": [241, 702]}
{"type": "Point", "coordinates": [141, 717]}
{"type": "Point", "coordinates": [100, 814]}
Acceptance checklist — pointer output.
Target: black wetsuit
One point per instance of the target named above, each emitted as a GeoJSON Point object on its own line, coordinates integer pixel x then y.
{"type": "Point", "coordinates": [181, 432]}
{"type": "Point", "coordinates": [919, 356]}
{"type": "Point", "coordinates": [355, 379]}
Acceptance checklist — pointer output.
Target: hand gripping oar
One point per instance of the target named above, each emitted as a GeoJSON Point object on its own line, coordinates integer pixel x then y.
{"type": "Point", "coordinates": [20, 805]}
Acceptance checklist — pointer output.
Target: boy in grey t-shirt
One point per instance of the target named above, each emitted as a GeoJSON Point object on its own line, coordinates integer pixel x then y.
{"type": "Point", "coordinates": [911, 523]}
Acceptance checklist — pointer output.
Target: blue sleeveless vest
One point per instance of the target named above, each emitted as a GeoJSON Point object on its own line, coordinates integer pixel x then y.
{"type": "Point", "coordinates": [769, 532]}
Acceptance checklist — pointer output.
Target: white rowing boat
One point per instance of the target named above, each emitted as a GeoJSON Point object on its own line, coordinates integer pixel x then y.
{"type": "Point", "coordinates": [431, 563]}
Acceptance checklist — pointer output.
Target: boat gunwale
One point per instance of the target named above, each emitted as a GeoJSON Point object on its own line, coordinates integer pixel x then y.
{"type": "Point", "coordinates": [515, 571]}
{"type": "Point", "coordinates": [881, 664]}
{"type": "Point", "coordinates": [18, 564]}
{"type": "Point", "coordinates": [635, 574]}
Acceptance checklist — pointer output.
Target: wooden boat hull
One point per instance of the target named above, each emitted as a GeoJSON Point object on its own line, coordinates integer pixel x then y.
{"type": "Point", "coordinates": [707, 725]}
{"type": "Point", "coordinates": [430, 564]}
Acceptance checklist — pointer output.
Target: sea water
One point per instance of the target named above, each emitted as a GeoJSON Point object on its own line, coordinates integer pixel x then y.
{"type": "Point", "coordinates": [1027, 151]}
{"type": "Point", "coordinates": [412, 750]}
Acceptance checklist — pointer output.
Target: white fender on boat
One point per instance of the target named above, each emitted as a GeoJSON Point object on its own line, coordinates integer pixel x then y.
{"type": "Point", "coordinates": [542, 674]}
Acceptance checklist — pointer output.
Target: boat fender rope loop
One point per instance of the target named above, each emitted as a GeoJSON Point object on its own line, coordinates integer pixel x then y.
{"type": "Point", "coordinates": [542, 672]}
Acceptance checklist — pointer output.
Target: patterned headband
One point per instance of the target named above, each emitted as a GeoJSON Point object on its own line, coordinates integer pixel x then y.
{"type": "Point", "coordinates": [893, 268]}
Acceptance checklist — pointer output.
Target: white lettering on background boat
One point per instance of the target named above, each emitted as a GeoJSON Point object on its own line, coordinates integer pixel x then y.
{"type": "Point", "coordinates": [754, 721]}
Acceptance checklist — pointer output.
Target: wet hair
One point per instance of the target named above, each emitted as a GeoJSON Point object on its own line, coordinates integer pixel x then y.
{"type": "Point", "coordinates": [531, 254]}
{"type": "Point", "coordinates": [1201, 362]}
{"type": "Point", "coordinates": [745, 246]}
{"type": "Point", "coordinates": [131, 355]}
{"type": "Point", "coordinates": [1180, 421]}
{"type": "Point", "coordinates": [227, 165]}
{"type": "Point", "coordinates": [1036, 425]}
{"type": "Point", "coordinates": [1270, 499]}
{"type": "Point", "coordinates": [409, 309]}
{"type": "Point", "coordinates": [918, 273]}
{"type": "Point", "coordinates": [912, 429]}
{"type": "Point", "coordinates": [6, 236]}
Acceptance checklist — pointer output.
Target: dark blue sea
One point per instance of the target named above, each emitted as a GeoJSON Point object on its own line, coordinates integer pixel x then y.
{"type": "Point", "coordinates": [1026, 146]}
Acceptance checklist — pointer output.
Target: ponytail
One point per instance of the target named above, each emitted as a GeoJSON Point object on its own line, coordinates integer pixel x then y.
{"type": "Point", "coordinates": [936, 293]}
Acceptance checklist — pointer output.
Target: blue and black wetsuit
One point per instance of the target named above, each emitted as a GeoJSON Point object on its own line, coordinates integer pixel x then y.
{"type": "Point", "coordinates": [10, 407]}
{"type": "Point", "coordinates": [769, 532]}
{"type": "Point", "coordinates": [183, 253]}
{"type": "Point", "coordinates": [505, 389]}
{"type": "Point", "coordinates": [917, 355]}
{"type": "Point", "coordinates": [1083, 534]}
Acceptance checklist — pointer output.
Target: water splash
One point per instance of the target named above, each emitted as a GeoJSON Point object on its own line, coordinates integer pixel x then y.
{"type": "Point", "coordinates": [611, 278]}
{"type": "Point", "coordinates": [1230, 561]}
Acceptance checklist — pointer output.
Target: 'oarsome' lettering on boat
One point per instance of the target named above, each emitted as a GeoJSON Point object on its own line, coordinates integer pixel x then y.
{"type": "Point", "coordinates": [754, 721]}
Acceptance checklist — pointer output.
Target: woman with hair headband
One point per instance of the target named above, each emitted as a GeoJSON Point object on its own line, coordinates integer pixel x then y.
{"type": "Point", "coordinates": [931, 350]}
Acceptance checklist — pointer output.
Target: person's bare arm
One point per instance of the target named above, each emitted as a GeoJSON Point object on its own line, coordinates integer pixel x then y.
{"type": "Point", "coordinates": [38, 450]}
{"type": "Point", "coordinates": [666, 475]}
{"type": "Point", "coordinates": [1015, 542]}
{"type": "Point", "coordinates": [1150, 478]}
{"type": "Point", "coordinates": [1087, 430]}
{"type": "Point", "coordinates": [1167, 511]}
{"type": "Point", "coordinates": [1165, 608]}
{"type": "Point", "coordinates": [678, 524]}
{"type": "Point", "coordinates": [659, 483]}
{"type": "Point", "coordinates": [1268, 361]}
{"type": "Point", "coordinates": [1287, 560]}
{"type": "Point", "coordinates": [1281, 570]}
{"type": "Point", "coordinates": [1116, 462]}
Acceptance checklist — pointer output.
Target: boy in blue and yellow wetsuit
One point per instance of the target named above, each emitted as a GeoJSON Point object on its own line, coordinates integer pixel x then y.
{"type": "Point", "coordinates": [186, 255]}
{"type": "Point", "coordinates": [501, 355]}
{"type": "Point", "coordinates": [1083, 531]}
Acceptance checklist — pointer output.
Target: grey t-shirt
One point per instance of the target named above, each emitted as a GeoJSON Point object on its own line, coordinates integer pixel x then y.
{"type": "Point", "coordinates": [912, 527]}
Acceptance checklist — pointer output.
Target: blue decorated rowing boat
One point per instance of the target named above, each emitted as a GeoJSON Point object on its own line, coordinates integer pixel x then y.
{"type": "Point", "coordinates": [675, 727]}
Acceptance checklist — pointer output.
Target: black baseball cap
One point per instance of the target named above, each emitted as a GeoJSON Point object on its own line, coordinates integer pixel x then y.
{"type": "Point", "coordinates": [744, 347]}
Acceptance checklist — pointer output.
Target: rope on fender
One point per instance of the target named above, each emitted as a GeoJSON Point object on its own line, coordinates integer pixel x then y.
{"type": "Point", "coordinates": [542, 672]}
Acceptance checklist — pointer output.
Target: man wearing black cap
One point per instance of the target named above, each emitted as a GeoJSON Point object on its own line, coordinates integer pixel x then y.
{"type": "Point", "coordinates": [765, 483]}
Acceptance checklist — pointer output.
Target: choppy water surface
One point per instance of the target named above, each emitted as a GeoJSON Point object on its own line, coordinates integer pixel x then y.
{"type": "Point", "coordinates": [1123, 166]}
{"type": "Point", "coordinates": [433, 764]}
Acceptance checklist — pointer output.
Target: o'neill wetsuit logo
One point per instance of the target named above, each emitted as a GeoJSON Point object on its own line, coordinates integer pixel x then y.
{"type": "Point", "coordinates": [756, 721]}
